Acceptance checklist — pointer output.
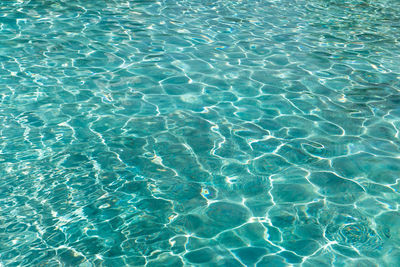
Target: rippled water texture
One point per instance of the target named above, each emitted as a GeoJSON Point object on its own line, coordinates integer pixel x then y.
{"type": "Point", "coordinates": [200, 133]}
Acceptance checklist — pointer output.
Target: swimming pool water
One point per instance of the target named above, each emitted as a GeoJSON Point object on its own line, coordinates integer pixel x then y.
{"type": "Point", "coordinates": [199, 133]}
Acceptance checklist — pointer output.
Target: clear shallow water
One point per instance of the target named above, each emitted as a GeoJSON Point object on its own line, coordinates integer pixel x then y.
{"type": "Point", "coordinates": [212, 133]}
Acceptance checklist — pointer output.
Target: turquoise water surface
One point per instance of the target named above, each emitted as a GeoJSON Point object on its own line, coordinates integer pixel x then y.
{"type": "Point", "coordinates": [200, 133]}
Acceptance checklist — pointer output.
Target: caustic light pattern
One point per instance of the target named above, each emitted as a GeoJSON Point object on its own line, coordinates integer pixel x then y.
{"type": "Point", "coordinates": [199, 133]}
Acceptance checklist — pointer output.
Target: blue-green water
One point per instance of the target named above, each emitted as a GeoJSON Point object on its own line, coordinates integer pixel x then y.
{"type": "Point", "coordinates": [200, 133]}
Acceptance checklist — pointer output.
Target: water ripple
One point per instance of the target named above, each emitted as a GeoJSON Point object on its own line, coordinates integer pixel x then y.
{"type": "Point", "coordinates": [180, 133]}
